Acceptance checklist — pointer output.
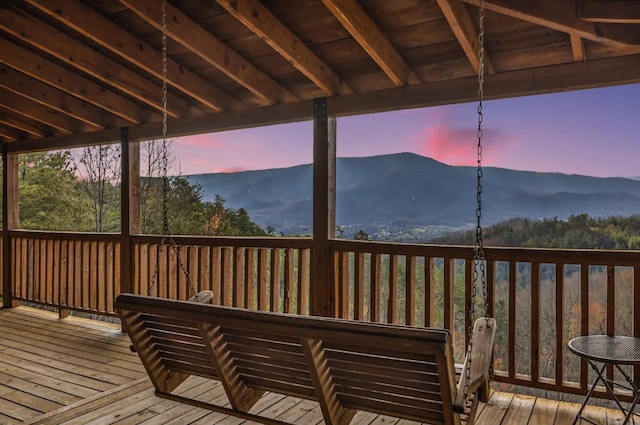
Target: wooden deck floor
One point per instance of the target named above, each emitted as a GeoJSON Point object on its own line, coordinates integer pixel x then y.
{"type": "Point", "coordinates": [77, 371]}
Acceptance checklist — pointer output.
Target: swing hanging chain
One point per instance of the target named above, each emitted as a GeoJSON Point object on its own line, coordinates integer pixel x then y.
{"type": "Point", "coordinates": [479, 270]}
{"type": "Point", "coordinates": [165, 165]}
{"type": "Point", "coordinates": [479, 259]}
{"type": "Point", "coordinates": [165, 170]}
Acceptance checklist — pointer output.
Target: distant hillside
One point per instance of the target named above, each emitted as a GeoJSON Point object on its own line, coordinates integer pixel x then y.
{"type": "Point", "coordinates": [578, 231]}
{"type": "Point", "coordinates": [397, 196]}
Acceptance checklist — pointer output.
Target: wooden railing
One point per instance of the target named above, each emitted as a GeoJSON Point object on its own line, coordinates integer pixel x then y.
{"type": "Point", "coordinates": [81, 272]}
{"type": "Point", "coordinates": [258, 273]}
{"type": "Point", "coordinates": [541, 298]}
{"type": "Point", "coordinates": [68, 271]}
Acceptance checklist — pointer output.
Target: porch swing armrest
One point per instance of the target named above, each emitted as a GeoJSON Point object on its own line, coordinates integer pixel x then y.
{"type": "Point", "coordinates": [479, 361]}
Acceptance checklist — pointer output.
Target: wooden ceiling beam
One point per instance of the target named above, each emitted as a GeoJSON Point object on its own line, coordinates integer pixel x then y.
{"type": "Point", "coordinates": [18, 122]}
{"type": "Point", "coordinates": [10, 134]}
{"type": "Point", "coordinates": [262, 22]}
{"type": "Point", "coordinates": [44, 94]}
{"type": "Point", "coordinates": [104, 32]}
{"type": "Point", "coordinates": [355, 20]}
{"type": "Point", "coordinates": [80, 56]}
{"type": "Point", "coordinates": [577, 48]}
{"type": "Point", "coordinates": [609, 11]}
{"type": "Point", "coordinates": [550, 79]}
{"type": "Point", "coordinates": [189, 34]}
{"type": "Point", "coordinates": [560, 15]}
{"type": "Point", "coordinates": [42, 114]}
{"type": "Point", "coordinates": [465, 31]}
{"type": "Point", "coordinates": [61, 78]}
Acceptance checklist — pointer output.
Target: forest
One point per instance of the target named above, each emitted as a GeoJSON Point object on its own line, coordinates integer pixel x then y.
{"type": "Point", "coordinates": [578, 232]}
{"type": "Point", "coordinates": [79, 191]}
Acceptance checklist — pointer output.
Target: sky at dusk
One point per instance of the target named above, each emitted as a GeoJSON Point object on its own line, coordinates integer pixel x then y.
{"type": "Point", "coordinates": [591, 132]}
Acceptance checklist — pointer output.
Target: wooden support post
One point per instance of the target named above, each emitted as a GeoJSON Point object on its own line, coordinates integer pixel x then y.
{"type": "Point", "coordinates": [323, 283]}
{"type": "Point", "coordinates": [129, 207]}
{"type": "Point", "coordinates": [10, 220]}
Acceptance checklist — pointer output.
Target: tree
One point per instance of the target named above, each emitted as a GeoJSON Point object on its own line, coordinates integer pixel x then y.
{"type": "Point", "coordinates": [361, 235]}
{"type": "Point", "coordinates": [154, 163]}
{"type": "Point", "coordinates": [99, 172]}
{"type": "Point", "coordinates": [224, 221]}
{"type": "Point", "coordinates": [49, 194]}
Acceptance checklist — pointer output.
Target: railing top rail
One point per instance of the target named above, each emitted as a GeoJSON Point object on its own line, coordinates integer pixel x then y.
{"type": "Point", "coordinates": [67, 236]}
{"type": "Point", "coordinates": [531, 255]}
{"type": "Point", "coordinates": [231, 241]}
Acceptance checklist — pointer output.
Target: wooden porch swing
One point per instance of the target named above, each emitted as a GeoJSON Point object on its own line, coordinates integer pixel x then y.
{"type": "Point", "coordinates": [346, 366]}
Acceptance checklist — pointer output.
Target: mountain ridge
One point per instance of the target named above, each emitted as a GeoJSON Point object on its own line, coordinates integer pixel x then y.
{"type": "Point", "coordinates": [396, 194]}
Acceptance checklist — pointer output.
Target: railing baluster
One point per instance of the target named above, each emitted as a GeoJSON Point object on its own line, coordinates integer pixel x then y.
{"type": "Point", "coordinates": [559, 323]}
{"type": "Point", "coordinates": [611, 308]}
{"type": "Point", "coordinates": [636, 317]}
{"type": "Point", "coordinates": [410, 290]}
{"type": "Point", "coordinates": [215, 268]}
{"type": "Point", "coordinates": [448, 289]}
{"type": "Point", "coordinates": [375, 287]}
{"type": "Point", "coordinates": [392, 305]}
{"type": "Point", "coordinates": [468, 288]}
{"type": "Point", "coordinates": [249, 278]}
{"type": "Point", "coordinates": [429, 293]}
{"type": "Point", "coordinates": [535, 322]}
{"type": "Point", "coordinates": [263, 275]}
{"type": "Point", "coordinates": [584, 319]}
{"type": "Point", "coordinates": [342, 276]}
{"type": "Point", "coordinates": [288, 280]}
{"type": "Point", "coordinates": [358, 286]}
{"type": "Point", "coordinates": [303, 281]}
{"type": "Point", "coordinates": [226, 276]}
{"type": "Point", "coordinates": [237, 278]}
{"type": "Point", "coordinates": [275, 280]}
{"type": "Point", "coordinates": [513, 266]}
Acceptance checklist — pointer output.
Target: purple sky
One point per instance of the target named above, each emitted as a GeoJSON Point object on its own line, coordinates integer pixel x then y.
{"type": "Point", "coordinates": [591, 132]}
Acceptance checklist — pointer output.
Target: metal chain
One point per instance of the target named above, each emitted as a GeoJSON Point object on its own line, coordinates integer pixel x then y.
{"type": "Point", "coordinates": [479, 271]}
{"type": "Point", "coordinates": [165, 170]}
{"type": "Point", "coordinates": [479, 244]}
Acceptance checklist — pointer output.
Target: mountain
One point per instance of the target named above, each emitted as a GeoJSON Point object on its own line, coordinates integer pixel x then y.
{"type": "Point", "coordinates": [401, 194]}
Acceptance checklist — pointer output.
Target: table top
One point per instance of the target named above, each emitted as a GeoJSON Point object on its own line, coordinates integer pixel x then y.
{"type": "Point", "coordinates": [607, 349]}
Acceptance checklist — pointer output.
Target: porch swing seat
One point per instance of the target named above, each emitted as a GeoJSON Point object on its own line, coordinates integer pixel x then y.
{"type": "Point", "coordinates": [346, 366]}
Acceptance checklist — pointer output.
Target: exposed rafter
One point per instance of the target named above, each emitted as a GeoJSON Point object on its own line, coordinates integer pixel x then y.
{"type": "Point", "coordinates": [609, 11]}
{"type": "Point", "coordinates": [38, 112]}
{"type": "Point", "coordinates": [85, 59]}
{"type": "Point", "coordinates": [466, 32]}
{"type": "Point", "coordinates": [354, 18]}
{"type": "Point", "coordinates": [46, 71]}
{"type": "Point", "coordinates": [262, 22]}
{"type": "Point", "coordinates": [44, 94]}
{"type": "Point", "coordinates": [18, 122]}
{"type": "Point", "coordinates": [102, 31]}
{"type": "Point", "coordinates": [188, 33]}
{"type": "Point", "coordinates": [577, 48]}
{"type": "Point", "coordinates": [8, 134]}
{"type": "Point", "coordinates": [560, 15]}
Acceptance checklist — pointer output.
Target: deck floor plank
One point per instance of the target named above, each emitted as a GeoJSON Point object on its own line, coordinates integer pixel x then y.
{"type": "Point", "coordinates": [76, 371]}
{"type": "Point", "coordinates": [494, 412]}
{"type": "Point", "coordinates": [520, 410]}
{"type": "Point", "coordinates": [544, 412]}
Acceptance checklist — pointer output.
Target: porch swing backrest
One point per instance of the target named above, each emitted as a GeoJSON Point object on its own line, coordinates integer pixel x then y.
{"type": "Point", "coordinates": [346, 366]}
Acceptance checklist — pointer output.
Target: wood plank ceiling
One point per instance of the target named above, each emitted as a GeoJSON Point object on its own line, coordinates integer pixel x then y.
{"type": "Point", "coordinates": [75, 72]}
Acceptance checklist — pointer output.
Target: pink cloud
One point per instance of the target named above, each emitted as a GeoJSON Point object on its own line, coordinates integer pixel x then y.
{"type": "Point", "coordinates": [201, 141]}
{"type": "Point", "coordinates": [459, 146]}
